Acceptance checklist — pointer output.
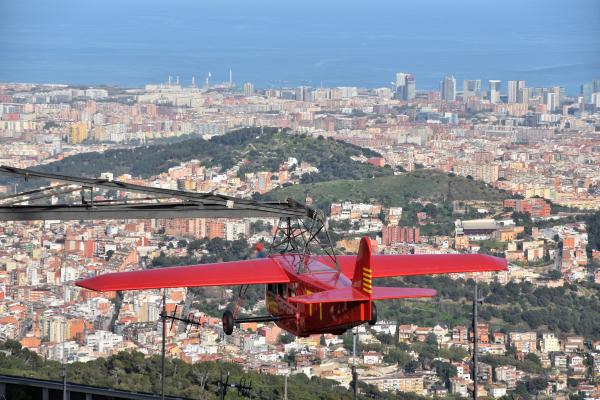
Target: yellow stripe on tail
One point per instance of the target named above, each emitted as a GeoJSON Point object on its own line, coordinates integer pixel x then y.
{"type": "Point", "coordinates": [362, 279]}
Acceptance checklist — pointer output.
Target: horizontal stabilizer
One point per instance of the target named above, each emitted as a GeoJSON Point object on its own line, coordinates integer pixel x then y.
{"type": "Point", "coordinates": [246, 272]}
{"type": "Point", "coordinates": [331, 296]}
{"type": "Point", "coordinates": [383, 293]}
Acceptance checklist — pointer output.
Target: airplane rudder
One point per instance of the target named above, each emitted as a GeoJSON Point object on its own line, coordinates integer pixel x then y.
{"type": "Point", "coordinates": [363, 278]}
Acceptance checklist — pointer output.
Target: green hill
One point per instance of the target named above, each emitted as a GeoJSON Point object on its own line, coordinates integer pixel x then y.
{"type": "Point", "coordinates": [264, 149]}
{"type": "Point", "coordinates": [411, 191]}
{"type": "Point", "coordinates": [395, 190]}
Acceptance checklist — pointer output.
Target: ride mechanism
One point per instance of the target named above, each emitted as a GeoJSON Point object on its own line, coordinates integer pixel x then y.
{"type": "Point", "coordinates": [308, 288]}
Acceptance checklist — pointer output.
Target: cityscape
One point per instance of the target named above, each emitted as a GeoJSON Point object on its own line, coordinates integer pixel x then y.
{"type": "Point", "coordinates": [499, 168]}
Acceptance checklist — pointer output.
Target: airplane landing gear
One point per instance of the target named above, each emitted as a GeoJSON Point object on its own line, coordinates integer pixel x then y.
{"type": "Point", "coordinates": [373, 319]}
{"type": "Point", "coordinates": [228, 322]}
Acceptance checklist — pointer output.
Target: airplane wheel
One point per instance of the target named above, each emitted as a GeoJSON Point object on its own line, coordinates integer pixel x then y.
{"type": "Point", "coordinates": [228, 322]}
{"type": "Point", "coordinates": [373, 320]}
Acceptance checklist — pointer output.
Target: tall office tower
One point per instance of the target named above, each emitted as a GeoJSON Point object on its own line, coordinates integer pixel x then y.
{"type": "Point", "coordinates": [471, 88]}
{"type": "Point", "coordinates": [559, 92]}
{"type": "Point", "coordinates": [410, 87]}
{"type": "Point", "coordinates": [400, 79]}
{"type": "Point", "coordinates": [494, 91]}
{"type": "Point", "coordinates": [248, 89]}
{"type": "Point", "coordinates": [523, 95]}
{"type": "Point", "coordinates": [448, 88]}
{"type": "Point", "coordinates": [302, 93]}
{"type": "Point", "coordinates": [513, 91]}
{"type": "Point", "coordinates": [405, 86]}
{"type": "Point", "coordinates": [586, 92]}
{"type": "Point", "coordinates": [540, 92]}
{"type": "Point", "coordinates": [596, 99]}
{"type": "Point", "coordinates": [551, 101]}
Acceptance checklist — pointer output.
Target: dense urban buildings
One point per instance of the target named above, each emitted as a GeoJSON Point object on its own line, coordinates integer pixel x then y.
{"type": "Point", "coordinates": [537, 147]}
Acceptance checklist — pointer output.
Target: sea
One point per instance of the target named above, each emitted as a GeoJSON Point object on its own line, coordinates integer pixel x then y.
{"type": "Point", "coordinates": [278, 43]}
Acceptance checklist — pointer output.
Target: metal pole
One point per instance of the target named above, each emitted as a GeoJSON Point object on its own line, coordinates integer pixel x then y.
{"type": "Point", "coordinates": [163, 315]}
{"type": "Point", "coordinates": [64, 339]}
{"type": "Point", "coordinates": [475, 341]}
{"type": "Point", "coordinates": [354, 374]}
{"type": "Point", "coordinates": [285, 388]}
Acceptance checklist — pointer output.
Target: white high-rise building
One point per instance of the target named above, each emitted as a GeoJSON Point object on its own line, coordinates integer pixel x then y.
{"type": "Point", "coordinates": [471, 88]}
{"type": "Point", "coordinates": [494, 91]}
{"type": "Point", "coordinates": [551, 101]}
{"type": "Point", "coordinates": [248, 89]}
{"type": "Point", "coordinates": [524, 94]}
{"type": "Point", "coordinates": [513, 90]}
{"type": "Point", "coordinates": [448, 88]}
{"type": "Point", "coordinates": [405, 86]}
{"type": "Point", "coordinates": [400, 79]}
{"type": "Point", "coordinates": [596, 99]}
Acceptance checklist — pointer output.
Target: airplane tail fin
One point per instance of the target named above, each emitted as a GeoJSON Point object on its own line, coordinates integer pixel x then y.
{"type": "Point", "coordinates": [362, 282]}
{"type": "Point", "coordinates": [362, 279]}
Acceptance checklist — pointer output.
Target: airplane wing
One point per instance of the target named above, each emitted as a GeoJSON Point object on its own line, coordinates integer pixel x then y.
{"type": "Point", "coordinates": [247, 272]}
{"type": "Point", "coordinates": [424, 264]}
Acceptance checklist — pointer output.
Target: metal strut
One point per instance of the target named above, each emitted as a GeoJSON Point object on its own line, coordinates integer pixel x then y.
{"type": "Point", "coordinates": [263, 318]}
{"type": "Point", "coordinates": [240, 300]}
{"type": "Point", "coordinates": [304, 237]}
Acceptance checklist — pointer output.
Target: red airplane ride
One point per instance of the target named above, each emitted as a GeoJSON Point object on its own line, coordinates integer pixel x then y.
{"type": "Point", "coordinates": [307, 294]}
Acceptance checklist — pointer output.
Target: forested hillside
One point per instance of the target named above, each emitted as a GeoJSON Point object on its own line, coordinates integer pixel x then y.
{"type": "Point", "coordinates": [568, 310]}
{"type": "Point", "coordinates": [397, 190]}
{"type": "Point", "coordinates": [592, 223]}
{"type": "Point", "coordinates": [263, 149]}
{"type": "Point", "coordinates": [135, 372]}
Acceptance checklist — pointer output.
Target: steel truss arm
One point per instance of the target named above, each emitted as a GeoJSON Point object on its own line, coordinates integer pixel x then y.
{"type": "Point", "coordinates": [162, 203]}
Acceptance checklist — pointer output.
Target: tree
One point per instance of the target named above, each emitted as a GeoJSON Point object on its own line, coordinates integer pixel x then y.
{"type": "Point", "coordinates": [411, 366]}
{"type": "Point", "coordinates": [400, 357]}
{"type": "Point", "coordinates": [431, 339]}
{"type": "Point", "coordinates": [286, 338]}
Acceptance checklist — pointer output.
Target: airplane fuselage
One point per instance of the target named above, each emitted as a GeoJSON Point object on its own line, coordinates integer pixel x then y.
{"type": "Point", "coordinates": [308, 319]}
